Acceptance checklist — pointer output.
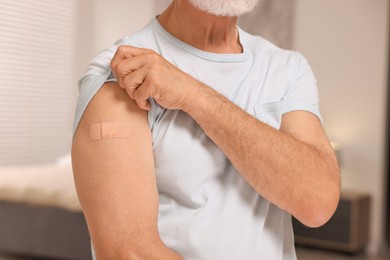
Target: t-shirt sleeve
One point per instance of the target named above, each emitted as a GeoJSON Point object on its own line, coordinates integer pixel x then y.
{"type": "Point", "coordinates": [303, 91]}
{"type": "Point", "coordinates": [97, 73]}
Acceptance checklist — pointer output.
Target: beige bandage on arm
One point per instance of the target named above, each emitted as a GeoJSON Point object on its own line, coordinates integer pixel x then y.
{"type": "Point", "coordinates": [107, 130]}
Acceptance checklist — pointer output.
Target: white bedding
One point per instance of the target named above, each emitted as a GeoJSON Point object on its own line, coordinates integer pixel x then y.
{"type": "Point", "coordinates": [45, 185]}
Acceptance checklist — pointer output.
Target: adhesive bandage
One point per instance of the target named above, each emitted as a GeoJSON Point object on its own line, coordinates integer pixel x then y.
{"type": "Point", "coordinates": [107, 130]}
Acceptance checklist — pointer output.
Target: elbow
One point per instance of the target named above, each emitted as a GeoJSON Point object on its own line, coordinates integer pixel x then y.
{"type": "Point", "coordinates": [322, 201]}
{"type": "Point", "coordinates": [318, 219]}
{"type": "Point", "coordinates": [319, 211]}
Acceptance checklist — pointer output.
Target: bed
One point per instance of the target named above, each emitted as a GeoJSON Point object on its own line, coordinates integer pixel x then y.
{"type": "Point", "coordinates": [40, 216]}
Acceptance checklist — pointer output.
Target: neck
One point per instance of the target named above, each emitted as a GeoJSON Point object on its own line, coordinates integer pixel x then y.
{"type": "Point", "coordinates": [201, 30]}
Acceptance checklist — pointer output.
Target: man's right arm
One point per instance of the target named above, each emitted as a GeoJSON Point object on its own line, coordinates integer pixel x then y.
{"type": "Point", "coordinates": [115, 180]}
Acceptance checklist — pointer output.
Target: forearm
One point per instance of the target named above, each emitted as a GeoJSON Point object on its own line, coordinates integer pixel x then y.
{"type": "Point", "coordinates": [289, 168]}
{"type": "Point", "coordinates": [154, 252]}
{"type": "Point", "coordinates": [139, 246]}
{"type": "Point", "coordinates": [139, 249]}
{"type": "Point", "coordinates": [288, 172]}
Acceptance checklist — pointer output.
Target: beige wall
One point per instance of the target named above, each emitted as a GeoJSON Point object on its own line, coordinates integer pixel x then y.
{"type": "Point", "coordinates": [117, 18]}
{"type": "Point", "coordinates": [346, 43]}
{"type": "Point", "coordinates": [102, 22]}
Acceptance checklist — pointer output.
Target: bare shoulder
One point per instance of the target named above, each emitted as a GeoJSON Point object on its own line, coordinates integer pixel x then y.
{"type": "Point", "coordinates": [111, 103]}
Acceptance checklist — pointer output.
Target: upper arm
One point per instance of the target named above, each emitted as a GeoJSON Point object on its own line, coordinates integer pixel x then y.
{"type": "Point", "coordinates": [115, 177]}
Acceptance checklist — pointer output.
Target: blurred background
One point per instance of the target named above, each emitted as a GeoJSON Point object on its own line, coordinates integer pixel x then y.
{"type": "Point", "coordinates": [45, 46]}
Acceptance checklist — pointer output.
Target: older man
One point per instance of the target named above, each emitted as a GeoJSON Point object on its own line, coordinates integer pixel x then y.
{"type": "Point", "coordinates": [195, 139]}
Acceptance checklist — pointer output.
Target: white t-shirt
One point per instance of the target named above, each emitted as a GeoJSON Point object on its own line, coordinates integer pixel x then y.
{"type": "Point", "coordinates": [206, 209]}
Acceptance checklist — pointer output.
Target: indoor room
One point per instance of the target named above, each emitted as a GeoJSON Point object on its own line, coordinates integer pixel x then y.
{"type": "Point", "coordinates": [46, 46]}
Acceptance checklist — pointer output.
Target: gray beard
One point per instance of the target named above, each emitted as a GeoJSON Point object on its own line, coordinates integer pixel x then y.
{"type": "Point", "coordinates": [230, 8]}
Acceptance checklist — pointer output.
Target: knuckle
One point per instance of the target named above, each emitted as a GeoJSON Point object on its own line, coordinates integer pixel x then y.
{"type": "Point", "coordinates": [120, 70]}
{"type": "Point", "coordinates": [121, 48]}
{"type": "Point", "coordinates": [155, 66]}
{"type": "Point", "coordinates": [153, 56]}
{"type": "Point", "coordinates": [153, 81]}
{"type": "Point", "coordinates": [156, 81]}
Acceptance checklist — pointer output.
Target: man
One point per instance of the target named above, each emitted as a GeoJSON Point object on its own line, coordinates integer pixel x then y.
{"type": "Point", "coordinates": [195, 139]}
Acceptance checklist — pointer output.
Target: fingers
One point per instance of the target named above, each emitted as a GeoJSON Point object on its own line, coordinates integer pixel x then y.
{"type": "Point", "coordinates": [133, 81]}
{"type": "Point", "coordinates": [129, 67]}
{"type": "Point", "coordinates": [141, 97]}
{"type": "Point", "coordinates": [126, 67]}
{"type": "Point", "coordinates": [143, 93]}
{"type": "Point", "coordinates": [132, 65]}
{"type": "Point", "coordinates": [138, 89]}
{"type": "Point", "coordinates": [126, 52]}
